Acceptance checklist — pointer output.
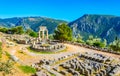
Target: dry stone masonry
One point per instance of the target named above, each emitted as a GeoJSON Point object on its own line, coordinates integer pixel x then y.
{"type": "Point", "coordinates": [85, 64]}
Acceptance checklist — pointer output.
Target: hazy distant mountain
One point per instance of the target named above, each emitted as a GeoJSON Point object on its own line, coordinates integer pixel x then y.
{"type": "Point", "coordinates": [104, 26]}
{"type": "Point", "coordinates": [31, 22]}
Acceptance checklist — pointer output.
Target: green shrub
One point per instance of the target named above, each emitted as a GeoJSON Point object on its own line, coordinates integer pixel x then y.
{"type": "Point", "coordinates": [33, 34]}
{"type": "Point", "coordinates": [6, 67]}
{"type": "Point", "coordinates": [97, 42]}
{"type": "Point", "coordinates": [115, 45]}
{"type": "Point", "coordinates": [27, 69]}
{"type": "Point", "coordinates": [0, 50]}
{"type": "Point", "coordinates": [7, 54]}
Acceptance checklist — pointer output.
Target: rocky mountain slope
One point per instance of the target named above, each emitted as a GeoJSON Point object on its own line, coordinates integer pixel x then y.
{"type": "Point", "coordinates": [31, 22]}
{"type": "Point", "coordinates": [104, 26]}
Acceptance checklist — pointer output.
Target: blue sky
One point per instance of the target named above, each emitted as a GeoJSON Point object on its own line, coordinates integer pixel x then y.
{"type": "Point", "coordinates": [60, 9]}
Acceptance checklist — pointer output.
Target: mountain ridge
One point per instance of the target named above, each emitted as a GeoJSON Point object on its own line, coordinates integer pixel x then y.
{"type": "Point", "coordinates": [103, 26]}
{"type": "Point", "coordinates": [31, 22]}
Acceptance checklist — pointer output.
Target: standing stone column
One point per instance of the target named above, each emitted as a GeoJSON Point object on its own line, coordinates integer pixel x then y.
{"type": "Point", "coordinates": [39, 35]}
{"type": "Point", "coordinates": [42, 34]}
{"type": "Point", "coordinates": [37, 40]}
{"type": "Point", "coordinates": [33, 44]}
{"type": "Point", "coordinates": [47, 34]}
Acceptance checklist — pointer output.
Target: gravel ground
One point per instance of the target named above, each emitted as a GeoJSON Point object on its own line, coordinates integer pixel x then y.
{"type": "Point", "coordinates": [70, 50]}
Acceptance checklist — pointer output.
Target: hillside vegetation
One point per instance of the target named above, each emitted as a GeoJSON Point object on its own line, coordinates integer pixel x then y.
{"type": "Point", "coordinates": [103, 26]}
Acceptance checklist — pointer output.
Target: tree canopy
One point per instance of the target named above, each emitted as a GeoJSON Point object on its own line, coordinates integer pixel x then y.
{"type": "Point", "coordinates": [18, 30]}
{"type": "Point", "coordinates": [30, 32]}
{"type": "Point", "coordinates": [14, 30]}
{"type": "Point", "coordinates": [63, 33]}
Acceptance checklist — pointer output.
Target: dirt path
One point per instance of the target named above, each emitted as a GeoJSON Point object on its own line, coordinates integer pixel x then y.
{"type": "Point", "coordinates": [30, 57]}
{"type": "Point", "coordinates": [82, 49]}
{"type": "Point", "coordinates": [70, 50]}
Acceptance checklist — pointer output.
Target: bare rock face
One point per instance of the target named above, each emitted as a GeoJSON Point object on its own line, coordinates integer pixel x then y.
{"type": "Point", "coordinates": [104, 26]}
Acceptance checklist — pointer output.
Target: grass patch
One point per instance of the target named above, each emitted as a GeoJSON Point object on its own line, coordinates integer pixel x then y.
{"type": "Point", "coordinates": [8, 55]}
{"type": "Point", "coordinates": [40, 52]}
{"type": "Point", "coordinates": [27, 69]}
{"type": "Point", "coordinates": [0, 50]}
{"type": "Point", "coordinates": [45, 52]}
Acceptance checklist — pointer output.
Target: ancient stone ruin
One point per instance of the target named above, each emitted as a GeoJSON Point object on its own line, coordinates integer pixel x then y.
{"type": "Point", "coordinates": [85, 64]}
{"type": "Point", "coordinates": [42, 43]}
{"type": "Point", "coordinates": [43, 33]}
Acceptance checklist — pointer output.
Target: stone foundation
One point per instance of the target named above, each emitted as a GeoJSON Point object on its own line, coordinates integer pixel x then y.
{"type": "Point", "coordinates": [57, 47]}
